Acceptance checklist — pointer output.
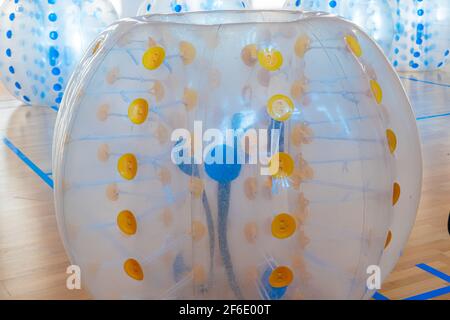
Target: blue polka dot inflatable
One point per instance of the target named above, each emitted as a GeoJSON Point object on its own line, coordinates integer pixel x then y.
{"type": "Point", "coordinates": [235, 155]}
{"type": "Point", "coordinates": [314, 5]}
{"type": "Point", "coordinates": [177, 6]}
{"type": "Point", "coordinates": [42, 41]}
{"type": "Point", "coordinates": [374, 16]}
{"type": "Point", "coordinates": [422, 35]}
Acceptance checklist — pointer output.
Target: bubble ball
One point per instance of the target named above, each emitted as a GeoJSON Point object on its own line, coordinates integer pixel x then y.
{"type": "Point", "coordinates": [422, 35]}
{"type": "Point", "coordinates": [374, 16]}
{"type": "Point", "coordinates": [235, 155]}
{"type": "Point", "coordinates": [42, 41]}
{"type": "Point", "coordinates": [177, 6]}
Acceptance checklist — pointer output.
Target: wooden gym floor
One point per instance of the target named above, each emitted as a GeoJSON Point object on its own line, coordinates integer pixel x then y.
{"type": "Point", "coordinates": [32, 258]}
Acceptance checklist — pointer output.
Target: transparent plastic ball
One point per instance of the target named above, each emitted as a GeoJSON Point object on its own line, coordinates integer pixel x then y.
{"type": "Point", "coordinates": [317, 177]}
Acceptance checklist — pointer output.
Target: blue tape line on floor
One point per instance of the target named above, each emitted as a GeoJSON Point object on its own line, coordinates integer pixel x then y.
{"type": "Point", "coordinates": [379, 296]}
{"type": "Point", "coordinates": [434, 272]}
{"type": "Point", "coordinates": [427, 82]}
{"type": "Point", "coordinates": [28, 162]}
{"type": "Point", "coordinates": [433, 116]}
{"type": "Point", "coordinates": [426, 295]}
{"type": "Point", "coordinates": [431, 294]}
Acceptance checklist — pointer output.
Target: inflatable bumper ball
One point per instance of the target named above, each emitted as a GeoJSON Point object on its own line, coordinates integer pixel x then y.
{"type": "Point", "coordinates": [422, 35]}
{"type": "Point", "coordinates": [177, 6]}
{"type": "Point", "coordinates": [235, 155]}
{"type": "Point", "coordinates": [374, 16]}
{"type": "Point", "coordinates": [42, 41]}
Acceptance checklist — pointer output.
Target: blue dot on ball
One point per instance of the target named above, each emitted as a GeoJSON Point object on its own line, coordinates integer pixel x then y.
{"type": "Point", "coordinates": [56, 71]}
{"type": "Point", "coordinates": [222, 165]}
{"type": "Point", "coordinates": [52, 17]}
{"type": "Point", "coordinates": [53, 35]}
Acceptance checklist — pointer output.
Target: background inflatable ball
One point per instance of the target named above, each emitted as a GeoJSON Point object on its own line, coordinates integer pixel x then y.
{"type": "Point", "coordinates": [177, 6]}
{"type": "Point", "coordinates": [42, 41]}
{"type": "Point", "coordinates": [422, 40]}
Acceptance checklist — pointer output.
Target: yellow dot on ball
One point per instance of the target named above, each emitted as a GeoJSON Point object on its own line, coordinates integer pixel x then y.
{"type": "Point", "coordinates": [392, 140]}
{"type": "Point", "coordinates": [280, 107]}
{"type": "Point", "coordinates": [190, 99]}
{"type": "Point", "coordinates": [133, 269]}
{"type": "Point", "coordinates": [112, 192]}
{"type": "Point", "coordinates": [153, 57]}
{"type": "Point", "coordinates": [302, 45]}
{"type": "Point", "coordinates": [138, 111]}
{"type": "Point", "coordinates": [126, 222]}
{"type": "Point", "coordinates": [158, 91]}
{"type": "Point", "coordinates": [376, 91]}
{"type": "Point", "coordinates": [251, 232]}
{"type": "Point", "coordinates": [281, 277]}
{"type": "Point", "coordinates": [284, 167]}
{"type": "Point", "coordinates": [396, 190]}
{"type": "Point", "coordinates": [283, 226]}
{"type": "Point", "coordinates": [388, 239]}
{"type": "Point", "coordinates": [103, 152]}
{"type": "Point", "coordinates": [199, 275]}
{"type": "Point", "coordinates": [127, 166]}
{"type": "Point", "coordinates": [353, 45]}
{"type": "Point", "coordinates": [270, 59]}
{"type": "Point", "coordinates": [249, 55]}
{"type": "Point", "coordinates": [298, 89]}
{"type": "Point", "coordinates": [103, 112]}
{"type": "Point", "coordinates": [187, 52]}
{"type": "Point", "coordinates": [198, 230]}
